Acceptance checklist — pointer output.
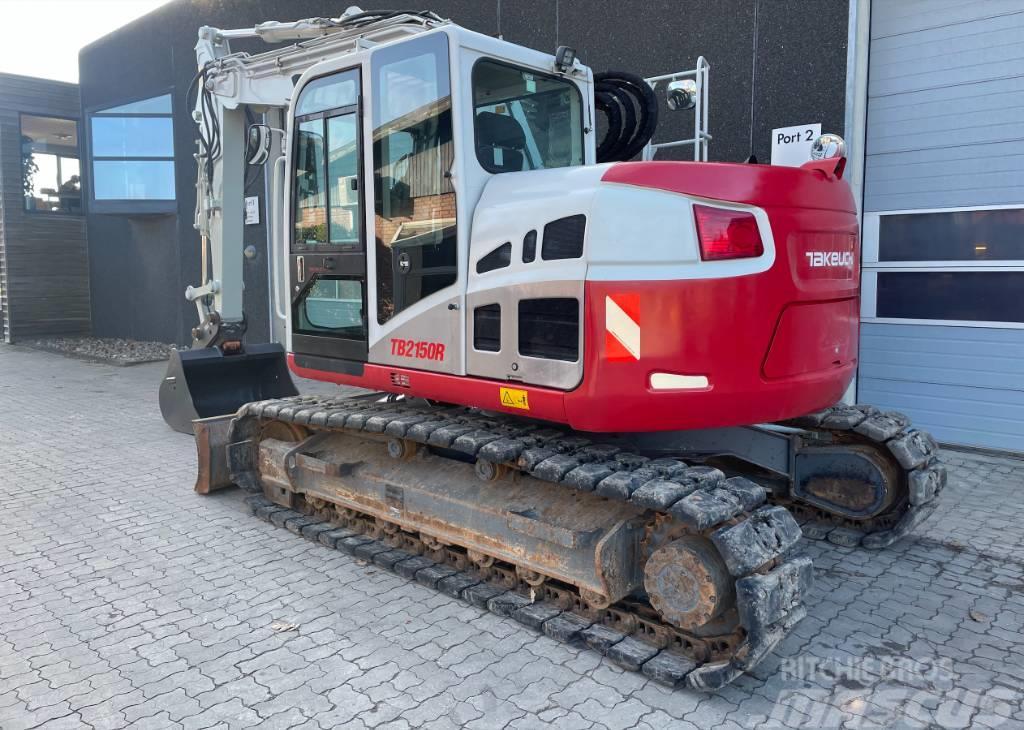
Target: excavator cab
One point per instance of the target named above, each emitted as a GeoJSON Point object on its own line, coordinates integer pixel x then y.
{"type": "Point", "coordinates": [384, 153]}
{"type": "Point", "coordinates": [391, 149]}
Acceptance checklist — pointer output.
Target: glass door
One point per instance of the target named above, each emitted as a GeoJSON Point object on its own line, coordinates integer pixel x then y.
{"type": "Point", "coordinates": [328, 251]}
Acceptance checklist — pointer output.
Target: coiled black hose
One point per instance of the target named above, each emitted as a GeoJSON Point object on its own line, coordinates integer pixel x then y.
{"type": "Point", "coordinates": [631, 109]}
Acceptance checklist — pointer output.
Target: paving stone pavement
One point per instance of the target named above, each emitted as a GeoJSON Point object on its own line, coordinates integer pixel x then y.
{"type": "Point", "coordinates": [126, 600]}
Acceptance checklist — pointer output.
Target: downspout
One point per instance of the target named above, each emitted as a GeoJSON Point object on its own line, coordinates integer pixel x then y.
{"type": "Point", "coordinates": [858, 44]}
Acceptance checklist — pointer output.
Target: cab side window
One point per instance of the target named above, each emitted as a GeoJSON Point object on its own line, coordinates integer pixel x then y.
{"type": "Point", "coordinates": [525, 120]}
{"type": "Point", "coordinates": [415, 219]}
{"type": "Point", "coordinates": [326, 206]}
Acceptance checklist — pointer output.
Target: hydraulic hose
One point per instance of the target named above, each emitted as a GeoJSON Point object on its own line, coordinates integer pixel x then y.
{"type": "Point", "coordinates": [631, 108]}
{"type": "Point", "coordinates": [621, 114]}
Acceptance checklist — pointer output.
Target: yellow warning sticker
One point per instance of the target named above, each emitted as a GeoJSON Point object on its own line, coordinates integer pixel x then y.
{"type": "Point", "coordinates": [515, 398]}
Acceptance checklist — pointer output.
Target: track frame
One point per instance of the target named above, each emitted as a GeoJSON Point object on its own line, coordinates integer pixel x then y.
{"type": "Point", "coordinates": [755, 542]}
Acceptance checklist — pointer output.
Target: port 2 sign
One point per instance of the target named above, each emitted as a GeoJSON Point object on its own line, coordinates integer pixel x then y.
{"type": "Point", "coordinates": [791, 146]}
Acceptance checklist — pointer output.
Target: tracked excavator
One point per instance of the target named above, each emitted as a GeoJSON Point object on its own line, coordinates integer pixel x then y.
{"type": "Point", "coordinates": [600, 395]}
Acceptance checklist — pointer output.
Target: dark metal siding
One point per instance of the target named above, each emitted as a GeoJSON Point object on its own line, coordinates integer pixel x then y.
{"type": "Point", "coordinates": [44, 272]}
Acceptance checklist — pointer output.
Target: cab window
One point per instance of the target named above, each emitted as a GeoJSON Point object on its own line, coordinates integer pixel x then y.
{"type": "Point", "coordinates": [414, 200]}
{"type": "Point", "coordinates": [332, 305]}
{"type": "Point", "coordinates": [326, 205]}
{"type": "Point", "coordinates": [525, 120]}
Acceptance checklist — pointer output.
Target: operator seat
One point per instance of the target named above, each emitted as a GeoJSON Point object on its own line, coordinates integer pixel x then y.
{"type": "Point", "coordinates": [500, 142]}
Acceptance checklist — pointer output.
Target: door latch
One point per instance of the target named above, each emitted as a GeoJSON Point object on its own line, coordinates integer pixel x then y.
{"type": "Point", "coordinates": [300, 268]}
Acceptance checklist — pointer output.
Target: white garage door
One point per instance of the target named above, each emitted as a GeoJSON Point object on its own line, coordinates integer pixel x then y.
{"type": "Point", "coordinates": [943, 300]}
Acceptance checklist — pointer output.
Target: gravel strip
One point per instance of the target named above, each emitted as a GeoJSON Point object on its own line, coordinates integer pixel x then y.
{"type": "Point", "coordinates": [110, 350]}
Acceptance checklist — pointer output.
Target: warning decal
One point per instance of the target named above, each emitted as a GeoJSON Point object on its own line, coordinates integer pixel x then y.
{"type": "Point", "coordinates": [622, 327]}
{"type": "Point", "coordinates": [514, 398]}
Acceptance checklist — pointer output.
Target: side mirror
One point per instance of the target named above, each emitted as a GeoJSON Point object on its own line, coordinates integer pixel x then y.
{"type": "Point", "coordinates": [257, 147]}
{"type": "Point", "coordinates": [682, 95]}
{"type": "Point", "coordinates": [828, 146]}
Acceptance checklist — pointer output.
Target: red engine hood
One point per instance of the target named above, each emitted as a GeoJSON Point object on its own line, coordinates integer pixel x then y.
{"type": "Point", "coordinates": [814, 185]}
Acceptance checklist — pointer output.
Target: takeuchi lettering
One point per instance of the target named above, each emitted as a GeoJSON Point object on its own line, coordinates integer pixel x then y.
{"type": "Point", "coordinates": [829, 258]}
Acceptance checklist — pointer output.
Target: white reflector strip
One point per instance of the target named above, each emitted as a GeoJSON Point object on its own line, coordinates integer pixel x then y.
{"type": "Point", "coordinates": [670, 381]}
{"type": "Point", "coordinates": [622, 327]}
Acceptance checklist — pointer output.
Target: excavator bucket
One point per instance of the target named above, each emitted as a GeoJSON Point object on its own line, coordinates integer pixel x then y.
{"type": "Point", "coordinates": [205, 382]}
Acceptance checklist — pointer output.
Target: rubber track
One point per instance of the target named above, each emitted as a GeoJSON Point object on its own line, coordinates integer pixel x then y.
{"type": "Point", "coordinates": [916, 454]}
{"type": "Point", "coordinates": [755, 540]}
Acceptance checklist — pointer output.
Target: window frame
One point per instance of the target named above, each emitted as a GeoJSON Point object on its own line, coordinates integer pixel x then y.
{"type": "Point", "coordinates": [535, 72]}
{"type": "Point", "coordinates": [130, 205]}
{"type": "Point", "coordinates": [324, 115]}
{"type": "Point", "coordinates": [81, 170]}
{"type": "Point", "coordinates": [871, 267]}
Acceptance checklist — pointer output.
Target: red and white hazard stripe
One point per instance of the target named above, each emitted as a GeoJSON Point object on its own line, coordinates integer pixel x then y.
{"type": "Point", "coordinates": [622, 326]}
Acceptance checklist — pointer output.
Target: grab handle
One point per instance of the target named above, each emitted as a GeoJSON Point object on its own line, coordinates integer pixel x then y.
{"type": "Point", "coordinates": [276, 240]}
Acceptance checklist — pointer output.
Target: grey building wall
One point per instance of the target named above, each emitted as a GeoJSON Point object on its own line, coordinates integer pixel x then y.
{"type": "Point", "coordinates": [945, 128]}
{"type": "Point", "coordinates": [767, 71]}
{"type": "Point", "coordinates": [44, 283]}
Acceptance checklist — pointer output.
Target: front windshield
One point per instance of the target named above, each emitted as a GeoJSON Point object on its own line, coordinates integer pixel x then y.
{"type": "Point", "coordinates": [525, 120]}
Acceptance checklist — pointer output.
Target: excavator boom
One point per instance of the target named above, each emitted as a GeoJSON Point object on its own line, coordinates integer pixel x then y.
{"type": "Point", "coordinates": [220, 371]}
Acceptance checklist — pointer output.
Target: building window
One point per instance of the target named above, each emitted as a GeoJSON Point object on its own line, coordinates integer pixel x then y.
{"type": "Point", "coordinates": [964, 296]}
{"type": "Point", "coordinates": [960, 267]}
{"type": "Point", "coordinates": [960, 235]}
{"type": "Point", "coordinates": [132, 153]}
{"type": "Point", "coordinates": [51, 179]}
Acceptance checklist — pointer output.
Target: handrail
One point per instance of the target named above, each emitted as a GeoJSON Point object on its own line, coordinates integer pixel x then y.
{"type": "Point", "coordinates": [276, 239]}
{"type": "Point", "coordinates": [701, 137]}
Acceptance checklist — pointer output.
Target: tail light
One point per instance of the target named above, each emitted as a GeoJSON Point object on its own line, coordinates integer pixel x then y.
{"type": "Point", "coordinates": [727, 234]}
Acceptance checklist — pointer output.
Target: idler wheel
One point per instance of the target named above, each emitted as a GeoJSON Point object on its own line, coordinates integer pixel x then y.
{"type": "Point", "coordinates": [688, 583]}
{"type": "Point", "coordinates": [288, 432]}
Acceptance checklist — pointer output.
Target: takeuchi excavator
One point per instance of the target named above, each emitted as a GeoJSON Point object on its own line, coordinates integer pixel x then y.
{"type": "Point", "coordinates": [601, 396]}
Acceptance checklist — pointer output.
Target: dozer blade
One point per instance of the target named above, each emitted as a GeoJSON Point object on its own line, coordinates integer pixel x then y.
{"type": "Point", "coordinates": [205, 382]}
{"type": "Point", "coordinates": [212, 436]}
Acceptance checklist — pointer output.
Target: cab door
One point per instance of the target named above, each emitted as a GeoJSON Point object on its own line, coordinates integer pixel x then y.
{"type": "Point", "coordinates": [327, 254]}
{"type": "Point", "coordinates": [418, 283]}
